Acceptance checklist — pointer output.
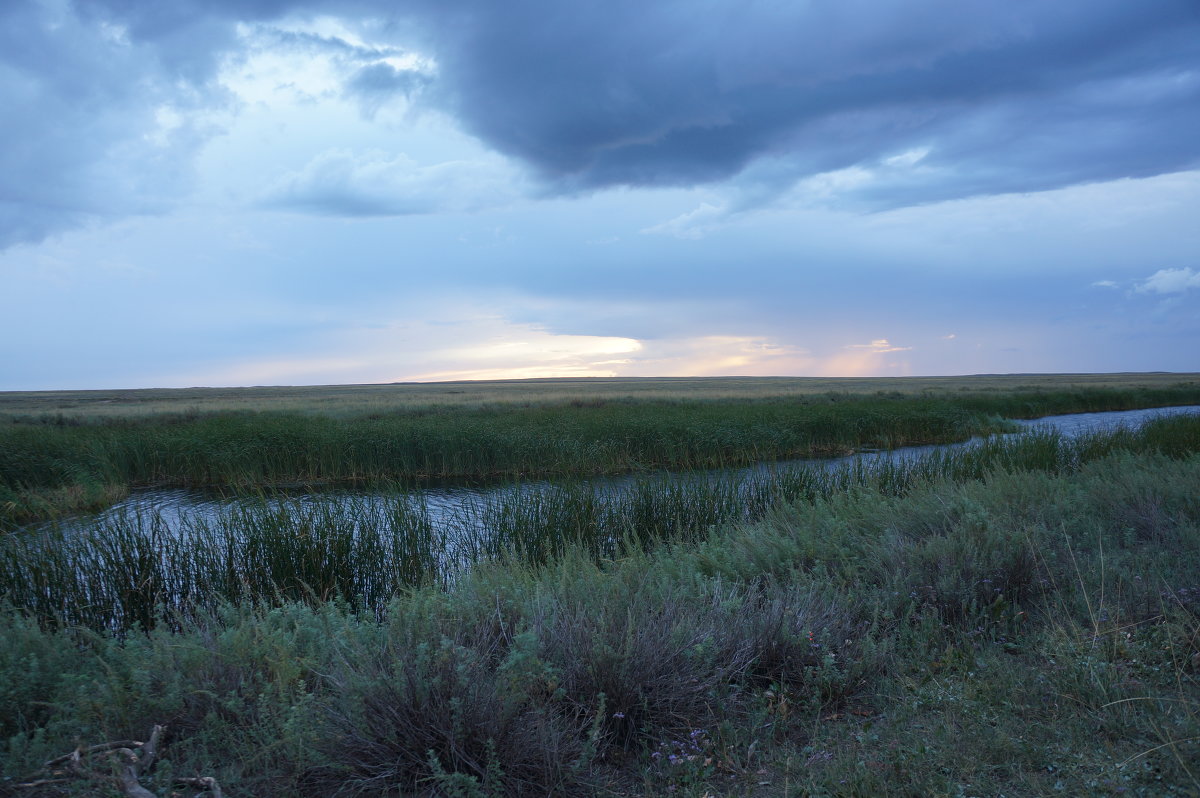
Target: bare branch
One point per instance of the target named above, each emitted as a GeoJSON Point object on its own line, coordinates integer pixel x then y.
{"type": "Point", "coordinates": [78, 768]}
{"type": "Point", "coordinates": [150, 749]}
{"type": "Point", "coordinates": [42, 782]}
{"type": "Point", "coordinates": [127, 778]}
{"type": "Point", "coordinates": [130, 759]}
{"type": "Point", "coordinates": [92, 749]}
{"type": "Point", "coordinates": [203, 783]}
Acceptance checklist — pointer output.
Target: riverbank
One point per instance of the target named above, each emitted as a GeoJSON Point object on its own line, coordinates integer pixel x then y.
{"type": "Point", "coordinates": [55, 464]}
{"type": "Point", "coordinates": [1021, 622]}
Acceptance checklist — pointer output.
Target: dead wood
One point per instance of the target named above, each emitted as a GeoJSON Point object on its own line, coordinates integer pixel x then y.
{"type": "Point", "coordinates": [128, 761]}
{"type": "Point", "coordinates": [203, 783]}
{"type": "Point", "coordinates": [92, 749]}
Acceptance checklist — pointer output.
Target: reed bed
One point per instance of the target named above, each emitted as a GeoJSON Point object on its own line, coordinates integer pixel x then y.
{"type": "Point", "coordinates": [131, 571]}
{"type": "Point", "coordinates": [50, 469]}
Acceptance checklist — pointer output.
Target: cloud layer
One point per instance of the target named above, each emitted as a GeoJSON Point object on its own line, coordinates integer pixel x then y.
{"type": "Point", "coordinates": [342, 183]}
{"type": "Point", "coordinates": [1170, 281]}
{"type": "Point", "coordinates": [994, 97]}
{"type": "Point", "coordinates": [1002, 97]}
{"type": "Point", "coordinates": [98, 124]}
{"type": "Point", "coordinates": [311, 190]}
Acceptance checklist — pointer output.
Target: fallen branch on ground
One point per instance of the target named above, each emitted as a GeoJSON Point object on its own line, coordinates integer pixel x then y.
{"type": "Point", "coordinates": [128, 761]}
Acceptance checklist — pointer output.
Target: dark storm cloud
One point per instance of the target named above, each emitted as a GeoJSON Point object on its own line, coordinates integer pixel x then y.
{"type": "Point", "coordinates": [99, 105]}
{"type": "Point", "coordinates": [1000, 95]}
{"type": "Point", "coordinates": [1007, 96]}
{"type": "Point", "coordinates": [95, 123]}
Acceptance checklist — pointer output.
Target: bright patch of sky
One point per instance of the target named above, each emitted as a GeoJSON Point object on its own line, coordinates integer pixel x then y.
{"type": "Point", "coordinates": [291, 192]}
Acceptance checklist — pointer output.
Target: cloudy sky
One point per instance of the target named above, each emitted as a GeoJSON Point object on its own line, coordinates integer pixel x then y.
{"type": "Point", "coordinates": [249, 192]}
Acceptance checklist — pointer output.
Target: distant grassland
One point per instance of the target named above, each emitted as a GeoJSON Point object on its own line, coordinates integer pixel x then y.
{"type": "Point", "coordinates": [63, 452]}
{"type": "Point", "coordinates": [355, 400]}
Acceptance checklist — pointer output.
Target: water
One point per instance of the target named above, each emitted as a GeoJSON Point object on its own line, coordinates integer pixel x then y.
{"type": "Point", "coordinates": [464, 508]}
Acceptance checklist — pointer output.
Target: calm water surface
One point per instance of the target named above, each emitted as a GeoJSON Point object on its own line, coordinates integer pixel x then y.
{"type": "Point", "coordinates": [458, 505]}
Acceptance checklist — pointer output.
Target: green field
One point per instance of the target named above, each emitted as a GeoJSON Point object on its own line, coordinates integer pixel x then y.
{"type": "Point", "coordinates": [357, 400]}
{"type": "Point", "coordinates": [1020, 618]}
{"type": "Point", "coordinates": [65, 452]}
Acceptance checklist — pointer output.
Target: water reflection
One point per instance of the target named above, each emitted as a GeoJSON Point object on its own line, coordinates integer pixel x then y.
{"type": "Point", "coordinates": [464, 507]}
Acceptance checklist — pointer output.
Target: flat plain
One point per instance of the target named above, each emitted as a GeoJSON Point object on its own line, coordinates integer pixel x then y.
{"type": "Point", "coordinates": [1017, 618]}
{"type": "Point", "coordinates": [359, 399]}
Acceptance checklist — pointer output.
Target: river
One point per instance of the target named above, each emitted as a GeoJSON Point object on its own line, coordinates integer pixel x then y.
{"type": "Point", "coordinates": [457, 505]}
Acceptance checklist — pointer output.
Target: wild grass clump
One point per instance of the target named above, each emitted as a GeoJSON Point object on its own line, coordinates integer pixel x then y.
{"type": "Point", "coordinates": [131, 570]}
{"type": "Point", "coordinates": [657, 661]}
{"type": "Point", "coordinates": [472, 713]}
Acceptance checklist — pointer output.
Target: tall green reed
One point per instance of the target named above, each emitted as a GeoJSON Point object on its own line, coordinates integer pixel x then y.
{"type": "Point", "coordinates": [130, 569]}
{"type": "Point", "coordinates": [249, 450]}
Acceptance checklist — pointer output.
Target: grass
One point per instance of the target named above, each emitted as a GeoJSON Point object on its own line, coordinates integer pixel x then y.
{"type": "Point", "coordinates": [58, 463]}
{"type": "Point", "coordinates": [1020, 619]}
{"type": "Point", "coordinates": [360, 400]}
{"type": "Point", "coordinates": [129, 570]}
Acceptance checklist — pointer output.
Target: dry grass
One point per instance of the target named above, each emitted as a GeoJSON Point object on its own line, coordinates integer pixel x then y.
{"type": "Point", "coordinates": [352, 400]}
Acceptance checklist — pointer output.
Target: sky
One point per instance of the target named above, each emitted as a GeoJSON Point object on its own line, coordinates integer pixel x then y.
{"type": "Point", "coordinates": [291, 192]}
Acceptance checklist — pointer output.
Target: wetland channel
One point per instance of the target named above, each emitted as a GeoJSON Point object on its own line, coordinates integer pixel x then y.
{"type": "Point", "coordinates": [457, 509]}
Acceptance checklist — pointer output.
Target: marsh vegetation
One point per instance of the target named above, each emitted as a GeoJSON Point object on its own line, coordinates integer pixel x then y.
{"type": "Point", "coordinates": [1017, 617]}
{"type": "Point", "coordinates": [56, 462]}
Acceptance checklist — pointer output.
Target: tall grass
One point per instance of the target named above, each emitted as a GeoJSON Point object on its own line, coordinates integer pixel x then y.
{"type": "Point", "coordinates": [131, 570]}
{"type": "Point", "coordinates": [49, 469]}
{"type": "Point", "coordinates": [1025, 629]}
